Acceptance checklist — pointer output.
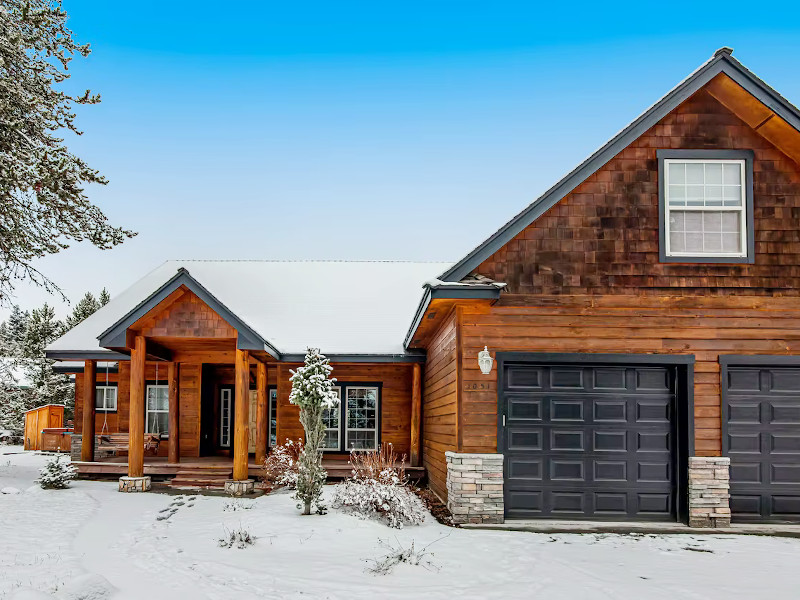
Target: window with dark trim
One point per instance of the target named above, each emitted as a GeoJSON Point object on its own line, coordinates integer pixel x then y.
{"type": "Point", "coordinates": [272, 393]}
{"type": "Point", "coordinates": [705, 206]}
{"type": "Point", "coordinates": [355, 423]}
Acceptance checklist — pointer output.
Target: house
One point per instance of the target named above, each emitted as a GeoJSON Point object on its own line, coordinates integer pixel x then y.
{"type": "Point", "coordinates": [642, 319]}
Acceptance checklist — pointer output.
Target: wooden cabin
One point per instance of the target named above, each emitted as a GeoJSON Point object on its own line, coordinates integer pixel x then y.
{"type": "Point", "coordinates": [638, 328]}
{"type": "Point", "coordinates": [37, 420]}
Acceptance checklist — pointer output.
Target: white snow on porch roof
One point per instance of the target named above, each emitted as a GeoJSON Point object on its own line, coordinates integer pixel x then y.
{"type": "Point", "coordinates": [341, 307]}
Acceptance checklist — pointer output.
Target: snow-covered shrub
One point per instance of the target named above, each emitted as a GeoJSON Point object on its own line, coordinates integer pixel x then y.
{"type": "Point", "coordinates": [314, 393]}
{"type": "Point", "coordinates": [379, 488]}
{"type": "Point", "coordinates": [56, 474]}
{"type": "Point", "coordinates": [280, 466]}
{"type": "Point", "coordinates": [398, 554]}
{"type": "Point", "coordinates": [241, 538]}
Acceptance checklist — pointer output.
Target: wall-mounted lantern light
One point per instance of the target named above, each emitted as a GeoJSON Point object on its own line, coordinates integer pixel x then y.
{"type": "Point", "coordinates": [485, 360]}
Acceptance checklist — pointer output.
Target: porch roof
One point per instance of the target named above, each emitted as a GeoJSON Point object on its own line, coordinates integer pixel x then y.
{"type": "Point", "coordinates": [345, 308]}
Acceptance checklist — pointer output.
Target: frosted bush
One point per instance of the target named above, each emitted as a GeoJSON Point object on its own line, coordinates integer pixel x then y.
{"type": "Point", "coordinates": [237, 504]}
{"type": "Point", "coordinates": [241, 538]}
{"type": "Point", "coordinates": [56, 474]}
{"type": "Point", "coordinates": [379, 488]}
{"type": "Point", "coordinates": [399, 554]}
{"type": "Point", "coordinates": [280, 466]}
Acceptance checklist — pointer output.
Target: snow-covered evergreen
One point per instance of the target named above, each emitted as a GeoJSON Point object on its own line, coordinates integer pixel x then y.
{"type": "Point", "coordinates": [14, 400]}
{"type": "Point", "coordinates": [56, 473]}
{"type": "Point", "coordinates": [313, 391]}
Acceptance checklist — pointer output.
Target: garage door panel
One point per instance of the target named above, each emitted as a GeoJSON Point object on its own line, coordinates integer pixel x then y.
{"type": "Point", "coordinates": [602, 445]}
{"type": "Point", "coordinates": [784, 413]}
{"type": "Point", "coordinates": [608, 379]}
{"type": "Point", "coordinates": [654, 472]}
{"type": "Point", "coordinates": [610, 470]}
{"type": "Point", "coordinates": [524, 439]}
{"type": "Point", "coordinates": [610, 411]}
{"type": "Point", "coordinates": [523, 377]}
{"type": "Point", "coordinates": [763, 442]}
{"type": "Point", "coordinates": [653, 380]}
{"type": "Point", "coordinates": [566, 378]}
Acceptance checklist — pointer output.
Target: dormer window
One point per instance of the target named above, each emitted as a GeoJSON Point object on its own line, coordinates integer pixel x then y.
{"type": "Point", "coordinates": [705, 200]}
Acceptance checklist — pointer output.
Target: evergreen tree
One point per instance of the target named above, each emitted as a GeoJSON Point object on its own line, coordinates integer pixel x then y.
{"type": "Point", "coordinates": [313, 391]}
{"type": "Point", "coordinates": [48, 386]}
{"type": "Point", "coordinates": [16, 330]}
{"type": "Point", "coordinates": [104, 297]}
{"type": "Point", "coordinates": [43, 203]}
{"type": "Point", "coordinates": [14, 400]}
{"type": "Point", "coordinates": [85, 307]}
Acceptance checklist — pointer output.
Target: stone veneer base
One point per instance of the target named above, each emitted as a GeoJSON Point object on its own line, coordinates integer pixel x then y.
{"type": "Point", "coordinates": [475, 487]}
{"type": "Point", "coordinates": [134, 484]}
{"type": "Point", "coordinates": [709, 491]}
{"type": "Point", "coordinates": [239, 487]}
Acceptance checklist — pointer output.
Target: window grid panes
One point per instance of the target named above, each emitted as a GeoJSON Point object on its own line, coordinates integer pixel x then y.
{"type": "Point", "coordinates": [330, 417]}
{"type": "Point", "coordinates": [105, 398]}
{"type": "Point", "coordinates": [705, 204]}
{"type": "Point", "coordinates": [273, 418]}
{"type": "Point", "coordinates": [225, 418]}
{"type": "Point", "coordinates": [361, 418]}
{"type": "Point", "coordinates": [157, 417]}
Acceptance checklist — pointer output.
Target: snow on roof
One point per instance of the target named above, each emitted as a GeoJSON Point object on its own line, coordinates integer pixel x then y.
{"type": "Point", "coordinates": [341, 307]}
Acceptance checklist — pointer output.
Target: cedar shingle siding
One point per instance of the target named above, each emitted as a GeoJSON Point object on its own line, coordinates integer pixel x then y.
{"type": "Point", "coordinates": [603, 237]}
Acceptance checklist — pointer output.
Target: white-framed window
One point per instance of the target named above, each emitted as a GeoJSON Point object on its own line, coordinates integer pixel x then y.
{"type": "Point", "coordinates": [705, 201]}
{"type": "Point", "coordinates": [361, 418]}
{"type": "Point", "coordinates": [225, 401]}
{"type": "Point", "coordinates": [157, 416]}
{"type": "Point", "coordinates": [332, 419]}
{"type": "Point", "coordinates": [105, 398]}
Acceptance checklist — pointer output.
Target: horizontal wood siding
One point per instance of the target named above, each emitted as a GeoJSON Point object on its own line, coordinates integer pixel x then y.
{"type": "Point", "coordinates": [395, 416]}
{"type": "Point", "coordinates": [703, 326]}
{"type": "Point", "coordinates": [440, 404]}
{"type": "Point", "coordinates": [117, 422]}
{"type": "Point", "coordinates": [603, 237]}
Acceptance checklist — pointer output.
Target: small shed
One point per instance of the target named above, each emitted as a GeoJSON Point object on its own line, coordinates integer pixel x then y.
{"type": "Point", "coordinates": [39, 418]}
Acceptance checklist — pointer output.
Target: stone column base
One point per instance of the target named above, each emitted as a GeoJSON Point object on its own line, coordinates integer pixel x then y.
{"type": "Point", "coordinates": [475, 487]}
{"type": "Point", "coordinates": [709, 491]}
{"type": "Point", "coordinates": [240, 487]}
{"type": "Point", "coordinates": [134, 484]}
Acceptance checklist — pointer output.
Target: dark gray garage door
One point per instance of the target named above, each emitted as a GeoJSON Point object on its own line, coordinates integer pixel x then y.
{"type": "Point", "coordinates": [762, 438]}
{"type": "Point", "coordinates": [588, 441]}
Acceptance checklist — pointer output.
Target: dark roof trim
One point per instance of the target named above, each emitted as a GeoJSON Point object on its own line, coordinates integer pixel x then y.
{"type": "Point", "coordinates": [248, 339]}
{"type": "Point", "coordinates": [84, 355]}
{"type": "Point", "coordinates": [363, 358]}
{"type": "Point", "coordinates": [76, 369]}
{"type": "Point", "coordinates": [449, 292]}
{"type": "Point", "coordinates": [759, 360]}
{"type": "Point", "coordinates": [721, 62]}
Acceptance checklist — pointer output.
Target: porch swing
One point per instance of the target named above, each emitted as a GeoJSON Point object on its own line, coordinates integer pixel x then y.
{"type": "Point", "coordinates": [120, 442]}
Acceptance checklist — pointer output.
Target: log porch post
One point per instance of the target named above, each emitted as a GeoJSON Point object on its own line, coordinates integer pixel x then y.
{"type": "Point", "coordinates": [416, 414]}
{"type": "Point", "coordinates": [136, 414]}
{"type": "Point", "coordinates": [173, 381]}
{"type": "Point", "coordinates": [87, 435]}
{"type": "Point", "coordinates": [241, 415]}
{"type": "Point", "coordinates": [262, 413]}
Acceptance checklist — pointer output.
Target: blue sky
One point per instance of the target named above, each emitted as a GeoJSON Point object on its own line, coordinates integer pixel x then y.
{"type": "Point", "coordinates": [372, 130]}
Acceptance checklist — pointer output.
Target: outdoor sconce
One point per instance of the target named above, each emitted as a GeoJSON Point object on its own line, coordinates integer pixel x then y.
{"type": "Point", "coordinates": [485, 361]}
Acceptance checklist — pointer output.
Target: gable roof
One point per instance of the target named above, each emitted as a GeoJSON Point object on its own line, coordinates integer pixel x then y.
{"type": "Point", "coordinates": [357, 310]}
{"type": "Point", "coordinates": [247, 339]}
{"type": "Point", "coordinates": [721, 62]}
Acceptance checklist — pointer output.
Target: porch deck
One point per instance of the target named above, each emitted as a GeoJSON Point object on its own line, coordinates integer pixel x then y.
{"type": "Point", "coordinates": [159, 466]}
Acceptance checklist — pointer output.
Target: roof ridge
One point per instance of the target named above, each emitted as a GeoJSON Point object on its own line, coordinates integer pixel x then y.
{"type": "Point", "coordinates": [306, 260]}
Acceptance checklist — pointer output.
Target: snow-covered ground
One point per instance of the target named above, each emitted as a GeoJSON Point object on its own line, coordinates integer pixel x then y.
{"type": "Point", "coordinates": [90, 542]}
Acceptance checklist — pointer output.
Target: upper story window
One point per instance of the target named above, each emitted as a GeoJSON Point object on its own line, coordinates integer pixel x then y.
{"type": "Point", "coordinates": [705, 199]}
